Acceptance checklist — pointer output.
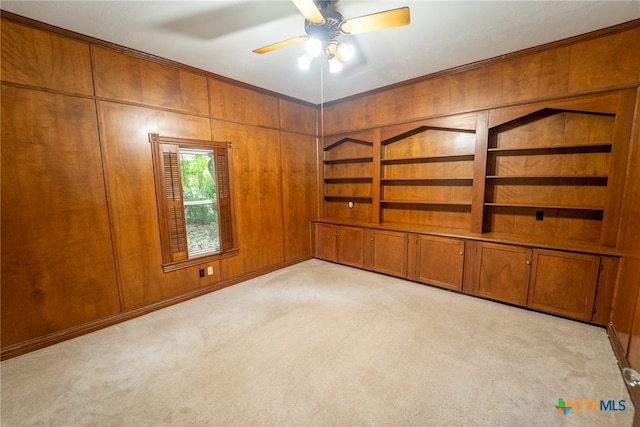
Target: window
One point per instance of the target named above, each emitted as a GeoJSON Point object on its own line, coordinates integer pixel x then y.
{"type": "Point", "coordinates": [193, 191]}
{"type": "Point", "coordinates": [200, 201]}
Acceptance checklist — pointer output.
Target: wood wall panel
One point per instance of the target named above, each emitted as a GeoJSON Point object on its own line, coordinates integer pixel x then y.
{"type": "Point", "coordinates": [132, 201]}
{"type": "Point", "coordinates": [299, 118]}
{"type": "Point", "coordinates": [358, 113]}
{"type": "Point", "coordinates": [257, 196]}
{"type": "Point", "coordinates": [534, 76]}
{"type": "Point", "coordinates": [41, 59]}
{"type": "Point", "coordinates": [605, 62]}
{"type": "Point", "coordinates": [238, 104]}
{"type": "Point", "coordinates": [387, 109]}
{"type": "Point", "coordinates": [123, 77]}
{"type": "Point", "coordinates": [299, 192]}
{"type": "Point", "coordinates": [57, 262]}
{"type": "Point", "coordinates": [473, 89]}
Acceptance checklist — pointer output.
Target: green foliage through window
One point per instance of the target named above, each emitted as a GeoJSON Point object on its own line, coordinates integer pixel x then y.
{"type": "Point", "coordinates": [200, 200]}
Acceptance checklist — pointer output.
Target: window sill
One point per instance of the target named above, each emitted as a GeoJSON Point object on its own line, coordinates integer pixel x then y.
{"type": "Point", "coordinates": [179, 265]}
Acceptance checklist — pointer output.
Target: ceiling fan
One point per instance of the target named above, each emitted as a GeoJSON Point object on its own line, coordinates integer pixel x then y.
{"type": "Point", "coordinates": [323, 25]}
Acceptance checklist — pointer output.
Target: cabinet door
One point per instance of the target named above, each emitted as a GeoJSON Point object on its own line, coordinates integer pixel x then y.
{"type": "Point", "coordinates": [325, 242]}
{"type": "Point", "coordinates": [388, 252]}
{"type": "Point", "coordinates": [504, 273]}
{"type": "Point", "coordinates": [351, 246]}
{"type": "Point", "coordinates": [439, 261]}
{"type": "Point", "coordinates": [564, 283]}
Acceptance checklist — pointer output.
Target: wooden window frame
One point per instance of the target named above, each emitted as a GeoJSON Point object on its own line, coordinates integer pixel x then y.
{"type": "Point", "coordinates": [171, 206]}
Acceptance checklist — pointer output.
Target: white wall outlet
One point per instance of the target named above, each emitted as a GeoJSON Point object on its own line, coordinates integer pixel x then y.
{"type": "Point", "coordinates": [210, 270]}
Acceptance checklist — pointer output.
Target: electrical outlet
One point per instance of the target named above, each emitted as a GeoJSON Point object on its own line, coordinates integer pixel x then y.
{"type": "Point", "coordinates": [202, 272]}
{"type": "Point", "coordinates": [210, 270]}
{"type": "Point", "coordinates": [539, 215]}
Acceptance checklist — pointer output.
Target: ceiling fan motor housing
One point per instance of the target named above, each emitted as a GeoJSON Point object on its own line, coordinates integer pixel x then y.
{"type": "Point", "coordinates": [327, 31]}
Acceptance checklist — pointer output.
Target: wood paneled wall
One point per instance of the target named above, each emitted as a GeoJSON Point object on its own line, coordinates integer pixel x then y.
{"type": "Point", "coordinates": [80, 238]}
{"type": "Point", "coordinates": [594, 64]}
{"type": "Point", "coordinates": [80, 234]}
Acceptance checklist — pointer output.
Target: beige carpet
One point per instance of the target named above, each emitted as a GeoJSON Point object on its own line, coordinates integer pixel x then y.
{"type": "Point", "coordinates": [319, 344]}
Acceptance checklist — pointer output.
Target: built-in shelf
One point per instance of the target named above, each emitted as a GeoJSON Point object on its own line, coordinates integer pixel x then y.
{"type": "Point", "coordinates": [542, 206]}
{"type": "Point", "coordinates": [408, 181]}
{"type": "Point", "coordinates": [347, 197]}
{"type": "Point", "coordinates": [556, 177]}
{"type": "Point", "coordinates": [555, 149]}
{"type": "Point", "coordinates": [441, 158]}
{"type": "Point", "coordinates": [349, 179]}
{"type": "Point", "coordinates": [425, 202]}
{"type": "Point", "coordinates": [349, 160]}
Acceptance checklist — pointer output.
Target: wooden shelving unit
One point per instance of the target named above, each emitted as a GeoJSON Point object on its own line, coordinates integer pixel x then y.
{"type": "Point", "coordinates": [539, 171]}
{"type": "Point", "coordinates": [547, 174]}
{"type": "Point", "coordinates": [348, 177]}
{"type": "Point", "coordinates": [427, 176]}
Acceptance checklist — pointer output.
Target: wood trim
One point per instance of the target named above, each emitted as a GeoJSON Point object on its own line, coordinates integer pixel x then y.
{"type": "Point", "coordinates": [479, 171]}
{"type": "Point", "coordinates": [619, 352]}
{"type": "Point", "coordinates": [172, 258]}
{"type": "Point", "coordinates": [156, 138]}
{"type": "Point", "coordinates": [617, 169]}
{"type": "Point", "coordinates": [139, 54]}
{"type": "Point", "coordinates": [376, 174]}
{"type": "Point", "coordinates": [76, 331]}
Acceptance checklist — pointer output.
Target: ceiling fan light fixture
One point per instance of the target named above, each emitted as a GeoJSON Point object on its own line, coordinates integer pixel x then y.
{"type": "Point", "coordinates": [313, 47]}
{"type": "Point", "coordinates": [323, 26]}
{"type": "Point", "coordinates": [346, 51]}
{"type": "Point", "coordinates": [304, 62]}
{"type": "Point", "coordinates": [335, 66]}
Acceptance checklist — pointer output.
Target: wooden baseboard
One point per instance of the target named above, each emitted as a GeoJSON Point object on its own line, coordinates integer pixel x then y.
{"type": "Point", "coordinates": [76, 331]}
{"type": "Point", "coordinates": [621, 356]}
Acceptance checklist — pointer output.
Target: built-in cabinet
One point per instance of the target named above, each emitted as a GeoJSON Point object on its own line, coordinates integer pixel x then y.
{"type": "Point", "coordinates": [515, 204]}
{"type": "Point", "coordinates": [386, 252]}
{"type": "Point", "coordinates": [567, 283]}
{"type": "Point", "coordinates": [343, 244]}
{"type": "Point", "coordinates": [502, 272]}
{"type": "Point", "coordinates": [437, 261]}
{"type": "Point", "coordinates": [564, 283]}
{"type": "Point", "coordinates": [558, 282]}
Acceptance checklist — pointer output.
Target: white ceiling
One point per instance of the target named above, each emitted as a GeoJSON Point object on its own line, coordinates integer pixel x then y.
{"type": "Point", "coordinates": [219, 36]}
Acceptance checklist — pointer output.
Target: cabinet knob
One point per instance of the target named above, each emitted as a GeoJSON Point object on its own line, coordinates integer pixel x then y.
{"type": "Point", "coordinates": [461, 253]}
{"type": "Point", "coordinates": [528, 262]}
{"type": "Point", "coordinates": [372, 239]}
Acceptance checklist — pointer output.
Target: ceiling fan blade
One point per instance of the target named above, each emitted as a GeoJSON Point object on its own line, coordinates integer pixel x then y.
{"type": "Point", "coordinates": [281, 44]}
{"type": "Point", "coordinates": [377, 21]}
{"type": "Point", "coordinates": [309, 10]}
